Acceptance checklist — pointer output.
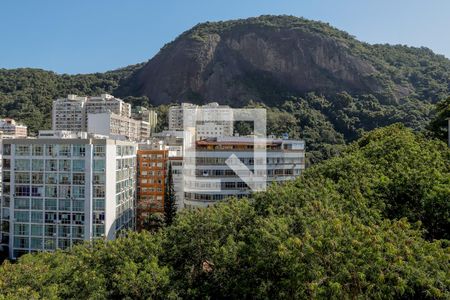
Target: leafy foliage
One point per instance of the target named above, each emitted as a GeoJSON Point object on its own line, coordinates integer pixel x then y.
{"type": "Point", "coordinates": [342, 230]}
{"type": "Point", "coordinates": [438, 126]}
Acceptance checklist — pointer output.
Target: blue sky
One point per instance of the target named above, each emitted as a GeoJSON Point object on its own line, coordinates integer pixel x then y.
{"type": "Point", "coordinates": [84, 36]}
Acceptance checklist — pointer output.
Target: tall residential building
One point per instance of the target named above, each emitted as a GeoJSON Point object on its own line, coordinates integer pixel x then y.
{"type": "Point", "coordinates": [151, 181]}
{"type": "Point", "coordinates": [97, 115]}
{"type": "Point", "coordinates": [116, 126]}
{"type": "Point", "coordinates": [208, 179]}
{"type": "Point", "coordinates": [65, 188]}
{"type": "Point", "coordinates": [9, 128]}
{"type": "Point", "coordinates": [212, 119]}
{"type": "Point", "coordinates": [107, 103]}
{"type": "Point", "coordinates": [146, 115]}
{"type": "Point", "coordinates": [69, 113]}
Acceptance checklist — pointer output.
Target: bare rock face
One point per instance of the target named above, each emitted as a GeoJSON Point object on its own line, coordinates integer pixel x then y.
{"type": "Point", "coordinates": [250, 61]}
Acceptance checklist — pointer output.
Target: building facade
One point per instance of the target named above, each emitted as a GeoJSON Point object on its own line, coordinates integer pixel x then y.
{"type": "Point", "coordinates": [116, 126]}
{"type": "Point", "coordinates": [9, 128]}
{"type": "Point", "coordinates": [58, 192]}
{"type": "Point", "coordinates": [151, 181]}
{"type": "Point", "coordinates": [104, 114]}
{"type": "Point", "coordinates": [211, 120]}
{"type": "Point", "coordinates": [208, 179]}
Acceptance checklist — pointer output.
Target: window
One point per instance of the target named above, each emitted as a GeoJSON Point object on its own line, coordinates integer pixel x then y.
{"type": "Point", "coordinates": [99, 191]}
{"type": "Point", "coordinates": [21, 216]}
{"type": "Point", "coordinates": [51, 191]}
{"type": "Point", "coordinates": [50, 217]}
{"type": "Point", "coordinates": [99, 150]}
{"type": "Point", "coordinates": [22, 150]}
{"type": "Point", "coordinates": [20, 203]}
{"type": "Point", "coordinates": [22, 165]}
{"type": "Point", "coordinates": [64, 231]}
{"type": "Point", "coordinates": [21, 229]}
{"type": "Point", "coordinates": [78, 178]}
{"type": "Point", "coordinates": [78, 219]}
{"type": "Point", "coordinates": [38, 150]}
{"type": "Point", "coordinates": [51, 165]}
{"type": "Point", "coordinates": [99, 204]}
{"type": "Point", "coordinates": [64, 165]}
{"type": "Point", "coordinates": [78, 231]}
{"type": "Point", "coordinates": [6, 164]}
{"type": "Point", "coordinates": [50, 230]}
{"type": "Point", "coordinates": [37, 217]}
{"type": "Point", "coordinates": [20, 242]}
{"type": "Point", "coordinates": [50, 204]}
{"type": "Point", "coordinates": [78, 205]}
{"type": "Point", "coordinates": [50, 150]}
{"type": "Point", "coordinates": [36, 204]}
{"type": "Point", "coordinates": [64, 178]}
{"type": "Point", "coordinates": [99, 230]}
{"type": "Point", "coordinates": [36, 243]}
{"type": "Point", "coordinates": [37, 165]}
{"type": "Point", "coordinates": [6, 176]}
{"type": "Point", "coordinates": [64, 191]}
{"type": "Point", "coordinates": [21, 177]}
{"type": "Point", "coordinates": [51, 179]}
{"type": "Point", "coordinates": [37, 178]}
{"type": "Point", "coordinates": [37, 229]}
{"type": "Point", "coordinates": [37, 191]}
{"type": "Point", "coordinates": [64, 204]}
{"type": "Point", "coordinates": [64, 150]}
{"type": "Point", "coordinates": [7, 149]}
{"type": "Point", "coordinates": [78, 192]}
{"type": "Point", "coordinates": [99, 165]}
{"type": "Point", "coordinates": [22, 190]}
{"type": "Point", "coordinates": [79, 150]}
{"type": "Point", "coordinates": [99, 178]}
{"type": "Point", "coordinates": [78, 165]}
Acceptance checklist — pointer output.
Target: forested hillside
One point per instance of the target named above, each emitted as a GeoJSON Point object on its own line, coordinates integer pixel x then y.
{"type": "Point", "coordinates": [27, 94]}
{"type": "Point", "coordinates": [370, 223]}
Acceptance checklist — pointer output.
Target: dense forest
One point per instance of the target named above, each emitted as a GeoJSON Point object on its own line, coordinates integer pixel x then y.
{"type": "Point", "coordinates": [370, 223]}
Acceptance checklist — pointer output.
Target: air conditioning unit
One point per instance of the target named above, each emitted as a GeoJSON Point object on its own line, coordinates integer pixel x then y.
{"type": "Point", "coordinates": [54, 234]}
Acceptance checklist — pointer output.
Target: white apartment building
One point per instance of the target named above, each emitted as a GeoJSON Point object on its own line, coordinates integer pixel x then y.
{"type": "Point", "coordinates": [117, 126]}
{"type": "Point", "coordinates": [208, 179]}
{"type": "Point", "coordinates": [69, 113]}
{"type": "Point", "coordinates": [65, 188]}
{"type": "Point", "coordinates": [211, 120]}
{"type": "Point", "coordinates": [107, 103]}
{"type": "Point", "coordinates": [146, 115]}
{"type": "Point", "coordinates": [104, 114]}
{"type": "Point", "coordinates": [9, 128]}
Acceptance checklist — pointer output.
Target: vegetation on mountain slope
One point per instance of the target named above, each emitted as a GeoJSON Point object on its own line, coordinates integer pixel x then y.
{"type": "Point", "coordinates": [369, 223]}
{"type": "Point", "coordinates": [27, 94]}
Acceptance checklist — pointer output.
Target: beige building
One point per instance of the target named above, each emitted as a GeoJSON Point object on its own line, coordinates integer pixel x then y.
{"type": "Point", "coordinates": [71, 113]}
{"type": "Point", "coordinates": [102, 114]}
{"type": "Point", "coordinates": [211, 120]}
{"type": "Point", "coordinates": [10, 128]}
